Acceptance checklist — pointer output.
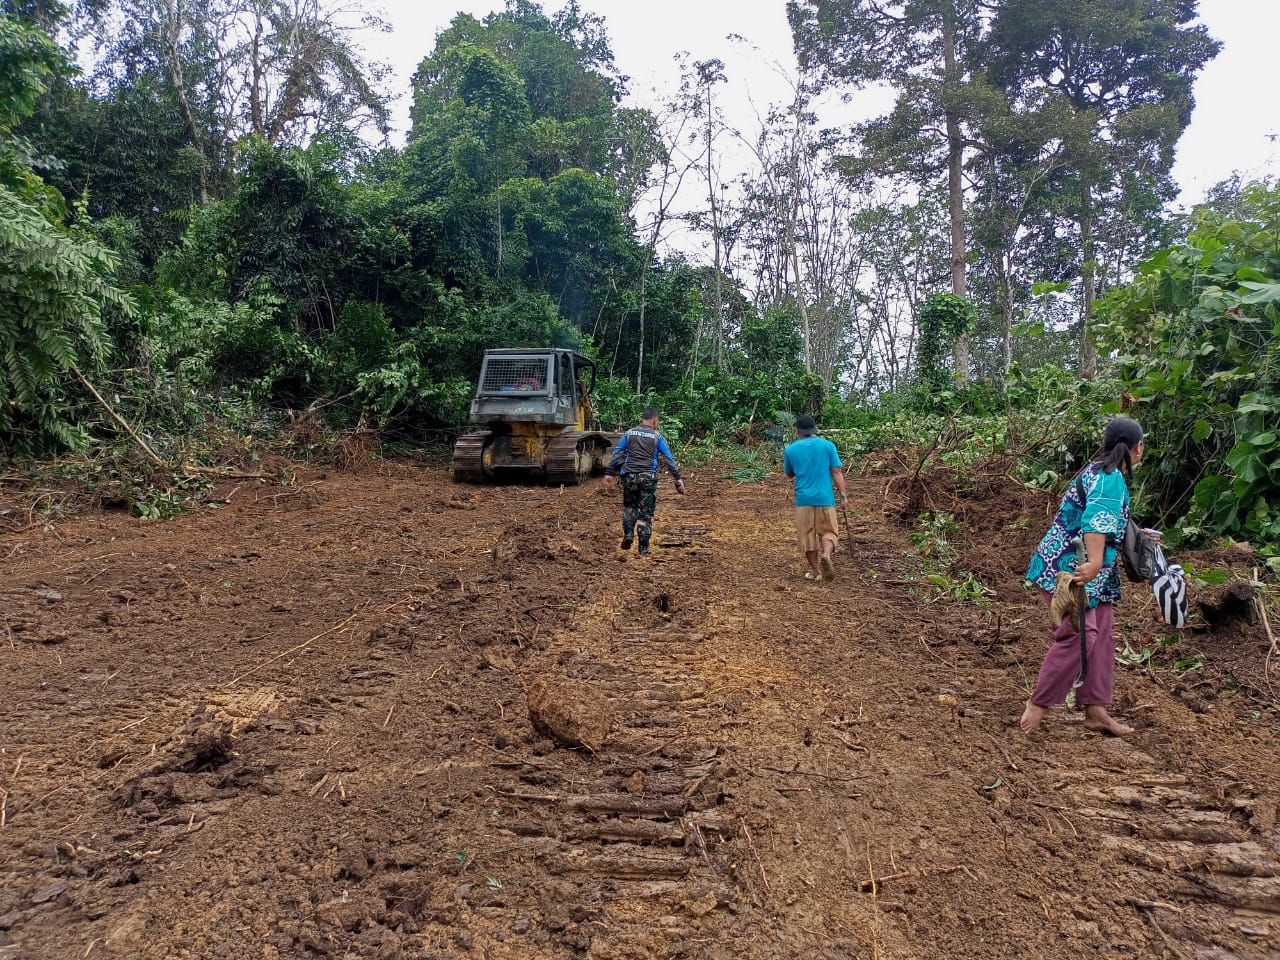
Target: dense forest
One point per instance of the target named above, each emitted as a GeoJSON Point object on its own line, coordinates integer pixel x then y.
{"type": "Point", "coordinates": [204, 235]}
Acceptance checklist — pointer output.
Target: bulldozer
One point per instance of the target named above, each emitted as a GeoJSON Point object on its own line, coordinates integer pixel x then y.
{"type": "Point", "coordinates": [534, 412]}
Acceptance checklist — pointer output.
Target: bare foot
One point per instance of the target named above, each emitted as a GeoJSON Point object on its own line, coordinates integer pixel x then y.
{"type": "Point", "coordinates": [1097, 719]}
{"type": "Point", "coordinates": [1031, 717]}
{"type": "Point", "coordinates": [828, 568]}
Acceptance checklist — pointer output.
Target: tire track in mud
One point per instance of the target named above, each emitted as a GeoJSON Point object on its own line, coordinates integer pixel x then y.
{"type": "Point", "coordinates": [311, 756]}
{"type": "Point", "coordinates": [632, 837]}
{"type": "Point", "coordinates": [874, 819]}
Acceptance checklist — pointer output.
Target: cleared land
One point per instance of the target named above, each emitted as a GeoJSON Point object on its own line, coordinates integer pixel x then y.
{"type": "Point", "coordinates": [296, 726]}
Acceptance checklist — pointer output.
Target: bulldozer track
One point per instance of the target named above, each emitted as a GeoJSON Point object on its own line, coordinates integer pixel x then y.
{"type": "Point", "coordinates": [468, 457]}
{"type": "Point", "coordinates": [571, 456]}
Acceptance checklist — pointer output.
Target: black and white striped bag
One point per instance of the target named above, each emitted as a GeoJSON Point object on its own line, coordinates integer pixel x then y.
{"type": "Point", "coordinates": [1169, 584]}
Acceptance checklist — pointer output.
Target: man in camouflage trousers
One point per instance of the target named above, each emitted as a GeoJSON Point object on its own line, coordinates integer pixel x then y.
{"type": "Point", "coordinates": [636, 459]}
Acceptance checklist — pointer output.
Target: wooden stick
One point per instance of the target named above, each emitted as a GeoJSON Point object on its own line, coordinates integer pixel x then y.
{"type": "Point", "coordinates": [751, 844]}
{"type": "Point", "coordinates": [226, 474]}
{"type": "Point", "coordinates": [875, 905]}
{"type": "Point", "coordinates": [388, 720]}
{"type": "Point", "coordinates": [1266, 622]}
{"type": "Point", "coordinates": [849, 743]}
{"type": "Point", "coordinates": [698, 839]}
{"type": "Point", "coordinates": [305, 643]}
{"type": "Point", "coordinates": [155, 457]}
{"type": "Point", "coordinates": [4, 799]}
{"type": "Point", "coordinates": [1012, 766]}
{"type": "Point", "coordinates": [814, 773]}
{"type": "Point", "coordinates": [871, 886]}
{"type": "Point", "coordinates": [513, 794]}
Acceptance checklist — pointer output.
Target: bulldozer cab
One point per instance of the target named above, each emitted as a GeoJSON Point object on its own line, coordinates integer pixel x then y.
{"type": "Point", "coordinates": [545, 386]}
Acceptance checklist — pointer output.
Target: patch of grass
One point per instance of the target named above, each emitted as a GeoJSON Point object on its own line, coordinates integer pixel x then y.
{"type": "Point", "coordinates": [750, 466]}
{"type": "Point", "coordinates": [753, 473]}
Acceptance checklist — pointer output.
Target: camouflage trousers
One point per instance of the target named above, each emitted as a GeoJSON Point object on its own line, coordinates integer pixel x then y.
{"type": "Point", "coordinates": [639, 497]}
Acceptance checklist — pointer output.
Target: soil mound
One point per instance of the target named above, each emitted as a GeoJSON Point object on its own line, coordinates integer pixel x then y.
{"type": "Point", "coordinates": [571, 714]}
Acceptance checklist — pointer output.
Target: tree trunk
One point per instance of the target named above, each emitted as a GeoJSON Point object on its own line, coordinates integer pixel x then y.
{"type": "Point", "coordinates": [1005, 305]}
{"type": "Point", "coordinates": [718, 292]}
{"type": "Point", "coordinates": [955, 187]}
{"type": "Point", "coordinates": [173, 39]}
{"type": "Point", "coordinates": [256, 110]}
{"type": "Point", "coordinates": [792, 253]}
{"type": "Point", "coordinates": [1088, 356]}
{"type": "Point", "coordinates": [644, 274]}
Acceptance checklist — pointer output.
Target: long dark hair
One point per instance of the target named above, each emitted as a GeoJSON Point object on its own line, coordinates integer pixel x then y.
{"type": "Point", "coordinates": [1118, 440]}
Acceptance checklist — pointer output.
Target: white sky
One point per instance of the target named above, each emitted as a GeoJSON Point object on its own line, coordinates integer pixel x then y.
{"type": "Point", "coordinates": [1236, 124]}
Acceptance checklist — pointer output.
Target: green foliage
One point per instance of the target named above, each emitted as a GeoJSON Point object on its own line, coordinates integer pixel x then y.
{"type": "Point", "coordinates": [127, 154]}
{"type": "Point", "coordinates": [1197, 335]}
{"type": "Point", "coordinates": [1056, 420]}
{"type": "Point", "coordinates": [567, 237]}
{"type": "Point", "coordinates": [932, 539]}
{"type": "Point", "coordinates": [292, 226]}
{"type": "Point", "coordinates": [28, 59]}
{"type": "Point", "coordinates": [939, 556]}
{"type": "Point", "coordinates": [749, 466]}
{"type": "Point", "coordinates": [617, 404]}
{"type": "Point", "coordinates": [403, 393]}
{"type": "Point", "coordinates": [943, 317]}
{"type": "Point", "coordinates": [1162, 653]}
{"type": "Point", "coordinates": [1113, 78]}
{"type": "Point", "coordinates": [715, 400]}
{"type": "Point", "coordinates": [1143, 656]}
{"type": "Point", "coordinates": [55, 280]}
{"type": "Point", "coordinates": [550, 79]}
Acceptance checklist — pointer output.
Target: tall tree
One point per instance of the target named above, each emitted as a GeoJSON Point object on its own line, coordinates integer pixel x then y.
{"type": "Point", "coordinates": [1123, 69]}
{"type": "Point", "coordinates": [795, 229]}
{"type": "Point", "coordinates": [288, 71]}
{"type": "Point", "coordinates": [924, 49]}
{"type": "Point", "coordinates": [567, 79]}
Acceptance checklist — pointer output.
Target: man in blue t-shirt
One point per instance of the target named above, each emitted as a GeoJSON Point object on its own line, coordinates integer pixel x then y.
{"type": "Point", "coordinates": [815, 466]}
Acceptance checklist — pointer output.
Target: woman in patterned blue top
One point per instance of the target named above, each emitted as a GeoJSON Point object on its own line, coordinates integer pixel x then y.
{"type": "Point", "coordinates": [1100, 517]}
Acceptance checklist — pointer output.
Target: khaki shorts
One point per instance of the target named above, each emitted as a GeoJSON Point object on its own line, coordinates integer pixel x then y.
{"type": "Point", "coordinates": [815, 524]}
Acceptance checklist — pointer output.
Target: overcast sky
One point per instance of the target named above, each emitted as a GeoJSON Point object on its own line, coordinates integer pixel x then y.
{"type": "Point", "coordinates": [1235, 126]}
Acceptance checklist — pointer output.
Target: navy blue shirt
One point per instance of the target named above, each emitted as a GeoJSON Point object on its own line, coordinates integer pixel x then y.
{"type": "Point", "coordinates": [639, 451]}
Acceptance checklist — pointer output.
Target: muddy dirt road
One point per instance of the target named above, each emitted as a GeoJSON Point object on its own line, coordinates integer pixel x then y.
{"type": "Point", "coordinates": [296, 726]}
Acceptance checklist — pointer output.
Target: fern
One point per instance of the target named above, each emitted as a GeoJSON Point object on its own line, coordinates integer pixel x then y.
{"type": "Point", "coordinates": [53, 289]}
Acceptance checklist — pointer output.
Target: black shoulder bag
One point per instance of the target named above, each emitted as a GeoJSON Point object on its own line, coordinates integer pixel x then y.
{"type": "Point", "coordinates": [1137, 553]}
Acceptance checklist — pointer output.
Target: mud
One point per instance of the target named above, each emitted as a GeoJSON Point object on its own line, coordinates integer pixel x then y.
{"type": "Point", "coordinates": [295, 724]}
